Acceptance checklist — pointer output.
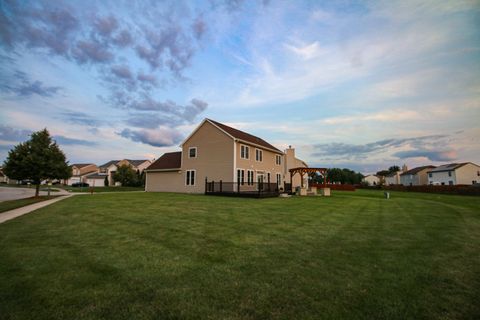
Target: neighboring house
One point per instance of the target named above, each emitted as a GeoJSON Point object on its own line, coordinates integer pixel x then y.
{"type": "Point", "coordinates": [416, 176]}
{"type": "Point", "coordinates": [80, 171]}
{"type": "Point", "coordinates": [3, 177]}
{"type": "Point", "coordinates": [371, 180]}
{"type": "Point", "coordinates": [215, 151]}
{"type": "Point", "coordinates": [96, 179]}
{"type": "Point", "coordinates": [455, 173]}
{"type": "Point", "coordinates": [393, 178]}
{"type": "Point", "coordinates": [111, 167]}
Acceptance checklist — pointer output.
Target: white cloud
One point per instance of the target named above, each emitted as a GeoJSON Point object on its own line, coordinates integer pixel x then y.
{"type": "Point", "coordinates": [374, 118]}
{"type": "Point", "coordinates": [307, 52]}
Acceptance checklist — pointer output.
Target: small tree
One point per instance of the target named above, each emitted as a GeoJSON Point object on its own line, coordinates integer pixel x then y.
{"type": "Point", "coordinates": [37, 159]}
{"type": "Point", "coordinates": [105, 182]}
{"type": "Point", "coordinates": [393, 169]}
{"type": "Point", "coordinates": [126, 176]}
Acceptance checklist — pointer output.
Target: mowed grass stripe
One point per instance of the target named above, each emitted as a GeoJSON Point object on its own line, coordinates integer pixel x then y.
{"type": "Point", "coordinates": [144, 256]}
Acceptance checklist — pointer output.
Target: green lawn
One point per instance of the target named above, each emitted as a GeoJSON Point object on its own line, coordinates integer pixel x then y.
{"type": "Point", "coordinates": [354, 255]}
{"type": "Point", "coordinates": [13, 204]}
{"type": "Point", "coordinates": [44, 187]}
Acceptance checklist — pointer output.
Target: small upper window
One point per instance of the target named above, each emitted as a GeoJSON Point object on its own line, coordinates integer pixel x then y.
{"type": "Point", "coordinates": [278, 159]}
{"type": "Point", "coordinates": [244, 150]}
{"type": "Point", "coordinates": [258, 155]}
{"type": "Point", "coordinates": [192, 152]}
{"type": "Point", "coordinates": [449, 173]}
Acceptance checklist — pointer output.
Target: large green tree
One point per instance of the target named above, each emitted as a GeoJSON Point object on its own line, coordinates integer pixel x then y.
{"type": "Point", "coordinates": [126, 176]}
{"type": "Point", "coordinates": [37, 159]}
{"type": "Point", "coordinates": [337, 175]}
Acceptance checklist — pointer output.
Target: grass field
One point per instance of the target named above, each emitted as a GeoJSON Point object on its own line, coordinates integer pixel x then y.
{"type": "Point", "coordinates": [13, 204]}
{"type": "Point", "coordinates": [44, 187]}
{"type": "Point", "coordinates": [354, 255]}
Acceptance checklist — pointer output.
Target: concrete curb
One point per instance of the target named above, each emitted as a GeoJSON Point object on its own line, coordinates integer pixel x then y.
{"type": "Point", "coordinates": [12, 214]}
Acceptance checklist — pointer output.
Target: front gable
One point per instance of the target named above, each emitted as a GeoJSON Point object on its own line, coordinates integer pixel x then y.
{"type": "Point", "coordinates": [207, 123]}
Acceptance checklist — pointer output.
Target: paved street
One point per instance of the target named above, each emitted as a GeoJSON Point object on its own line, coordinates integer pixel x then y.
{"type": "Point", "coordinates": [20, 193]}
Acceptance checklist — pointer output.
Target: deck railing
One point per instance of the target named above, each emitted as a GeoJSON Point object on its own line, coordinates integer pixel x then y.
{"type": "Point", "coordinates": [253, 189]}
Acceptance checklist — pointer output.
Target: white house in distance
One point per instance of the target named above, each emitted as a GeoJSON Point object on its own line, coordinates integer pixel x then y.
{"type": "Point", "coordinates": [416, 176]}
{"type": "Point", "coordinates": [371, 180]}
{"type": "Point", "coordinates": [455, 174]}
{"type": "Point", "coordinates": [392, 178]}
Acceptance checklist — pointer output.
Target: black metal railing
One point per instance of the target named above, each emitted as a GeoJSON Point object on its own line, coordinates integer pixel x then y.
{"type": "Point", "coordinates": [253, 189]}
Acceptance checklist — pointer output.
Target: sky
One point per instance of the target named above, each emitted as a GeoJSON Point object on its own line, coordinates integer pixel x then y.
{"type": "Point", "coordinates": [353, 84]}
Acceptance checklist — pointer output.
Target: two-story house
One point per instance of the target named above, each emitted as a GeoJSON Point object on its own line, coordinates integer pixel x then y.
{"type": "Point", "coordinates": [415, 177]}
{"type": "Point", "coordinates": [215, 151]}
{"type": "Point", "coordinates": [454, 174]}
{"type": "Point", "coordinates": [80, 171]}
{"type": "Point", "coordinates": [393, 178]}
{"type": "Point", "coordinates": [371, 180]}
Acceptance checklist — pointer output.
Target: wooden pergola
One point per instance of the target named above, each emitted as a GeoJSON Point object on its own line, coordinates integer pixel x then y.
{"type": "Point", "coordinates": [302, 171]}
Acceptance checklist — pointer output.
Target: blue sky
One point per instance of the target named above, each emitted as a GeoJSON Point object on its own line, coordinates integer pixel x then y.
{"type": "Point", "coordinates": [357, 84]}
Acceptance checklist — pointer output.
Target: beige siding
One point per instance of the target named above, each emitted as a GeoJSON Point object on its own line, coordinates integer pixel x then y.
{"type": "Point", "coordinates": [267, 165]}
{"type": "Point", "coordinates": [167, 181]}
{"type": "Point", "coordinates": [214, 158]}
{"type": "Point", "coordinates": [80, 171]}
{"type": "Point", "coordinates": [467, 174]}
{"type": "Point", "coordinates": [423, 177]}
{"type": "Point", "coordinates": [292, 162]}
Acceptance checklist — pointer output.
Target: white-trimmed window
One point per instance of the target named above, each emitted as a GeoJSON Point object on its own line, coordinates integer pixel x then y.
{"type": "Point", "coordinates": [190, 178]}
{"type": "Point", "coordinates": [278, 159]}
{"type": "Point", "coordinates": [269, 177]}
{"type": "Point", "coordinates": [258, 155]}
{"type": "Point", "coordinates": [249, 177]}
{"type": "Point", "coordinates": [244, 152]}
{"type": "Point", "coordinates": [192, 152]}
{"type": "Point", "coordinates": [241, 176]}
{"type": "Point", "coordinates": [279, 178]}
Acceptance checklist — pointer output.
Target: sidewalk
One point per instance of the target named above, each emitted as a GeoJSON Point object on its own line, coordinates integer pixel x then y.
{"type": "Point", "coordinates": [8, 215]}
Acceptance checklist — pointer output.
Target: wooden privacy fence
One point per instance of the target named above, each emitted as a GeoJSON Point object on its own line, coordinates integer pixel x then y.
{"type": "Point", "coordinates": [468, 190]}
{"type": "Point", "coordinates": [341, 187]}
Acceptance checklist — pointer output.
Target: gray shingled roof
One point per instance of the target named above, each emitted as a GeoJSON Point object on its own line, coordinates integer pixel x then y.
{"type": "Point", "coordinates": [135, 163]}
{"type": "Point", "coordinates": [81, 165]}
{"type": "Point", "coordinates": [448, 167]}
{"type": "Point", "coordinates": [108, 164]}
{"type": "Point", "coordinates": [417, 170]}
